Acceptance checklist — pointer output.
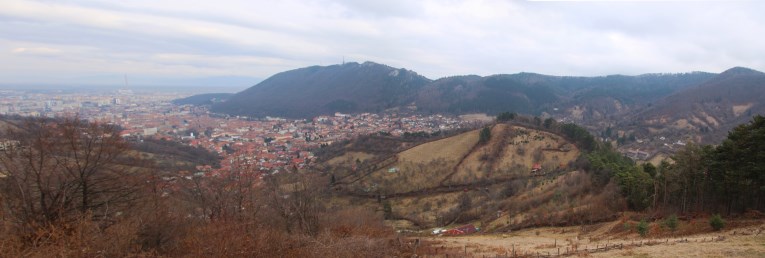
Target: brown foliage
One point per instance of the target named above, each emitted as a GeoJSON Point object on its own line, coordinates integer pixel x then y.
{"type": "Point", "coordinates": [68, 191]}
{"type": "Point", "coordinates": [63, 169]}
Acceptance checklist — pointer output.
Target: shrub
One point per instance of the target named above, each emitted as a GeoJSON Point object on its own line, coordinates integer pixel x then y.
{"type": "Point", "coordinates": [387, 210]}
{"type": "Point", "coordinates": [484, 135]}
{"type": "Point", "coordinates": [671, 222]}
{"type": "Point", "coordinates": [642, 228]}
{"type": "Point", "coordinates": [717, 222]}
{"type": "Point", "coordinates": [521, 151]}
{"type": "Point", "coordinates": [627, 226]}
{"type": "Point", "coordinates": [427, 206]}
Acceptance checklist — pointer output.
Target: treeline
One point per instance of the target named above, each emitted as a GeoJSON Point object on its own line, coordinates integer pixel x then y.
{"type": "Point", "coordinates": [171, 150]}
{"type": "Point", "coordinates": [728, 178]}
{"type": "Point", "coordinates": [578, 135]}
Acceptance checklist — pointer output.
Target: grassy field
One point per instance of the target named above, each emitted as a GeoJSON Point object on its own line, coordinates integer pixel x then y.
{"type": "Point", "coordinates": [515, 153]}
{"type": "Point", "coordinates": [748, 241]}
{"type": "Point", "coordinates": [449, 149]}
{"type": "Point", "coordinates": [422, 166]}
{"type": "Point", "coordinates": [480, 117]}
{"type": "Point", "coordinates": [350, 157]}
{"type": "Point", "coordinates": [425, 183]}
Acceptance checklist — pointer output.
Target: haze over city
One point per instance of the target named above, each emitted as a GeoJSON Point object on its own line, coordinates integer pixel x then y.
{"type": "Point", "coordinates": [239, 43]}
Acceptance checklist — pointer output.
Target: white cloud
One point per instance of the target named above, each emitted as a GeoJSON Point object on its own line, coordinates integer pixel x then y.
{"type": "Point", "coordinates": [177, 38]}
{"type": "Point", "coordinates": [36, 50]}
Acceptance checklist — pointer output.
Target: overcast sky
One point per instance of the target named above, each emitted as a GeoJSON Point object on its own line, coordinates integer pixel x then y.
{"type": "Point", "coordinates": [93, 41]}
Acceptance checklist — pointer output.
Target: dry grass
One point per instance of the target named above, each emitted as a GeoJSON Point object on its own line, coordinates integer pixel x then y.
{"type": "Point", "coordinates": [538, 140]}
{"type": "Point", "coordinates": [420, 167]}
{"type": "Point", "coordinates": [480, 117]}
{"type": "Point", "coordinates": [710, 119]}
{"type": "Point", "coordinates": [574, 240]}
{"type": "Point", "coordinates": [410, 176]}
{"type": "Point", "coordinates": [413, 207]}
{"type": "Point", "coordinates": [449, 149]}
{"type": "Point", "coordinates": [740, 109]}
{"type": "Point", "coordinates": [509, 162]}
{"type": "Point", "coordinates": [350, 157]}
{"type": "Point", "coordinates": [538, 200]}
{"type": "Point", "coordinates": [658, 158]}
{"type": "Point", "coordinates": [425, 165]}
{"type": "Point", "coordinates": [681, 124]}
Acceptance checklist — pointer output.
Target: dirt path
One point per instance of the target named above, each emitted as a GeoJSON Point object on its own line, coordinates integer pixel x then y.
{"type": "Point", "coordinates": [567, 242]}
{"type": "Point", "coordinates": [437, 190]}
{"type": "Point", "coordinates": [455, 169]}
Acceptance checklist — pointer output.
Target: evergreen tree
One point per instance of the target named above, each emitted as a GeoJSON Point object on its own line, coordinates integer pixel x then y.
{"type": "Point", "coordinates": [484, 135]}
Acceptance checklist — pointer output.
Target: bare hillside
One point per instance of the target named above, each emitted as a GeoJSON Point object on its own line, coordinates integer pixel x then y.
{"type": "Point", "coordinates": [508, 181]}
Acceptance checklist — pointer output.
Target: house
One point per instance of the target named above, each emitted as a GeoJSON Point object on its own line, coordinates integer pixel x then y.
{"type": "Point", "coordinates": [536, 168]}
{"type": "Point", "coordinates": [8, 145]}
{"type": "Point", "coordinates": [461, 230]}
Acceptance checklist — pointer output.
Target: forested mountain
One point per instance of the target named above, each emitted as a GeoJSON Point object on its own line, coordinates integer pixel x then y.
{"type": "Point", "coordinates": [491, 94]}
{"type": "Point", "coordinates": [371, 87]}
{"type": "Point", "coordinates": [586, 98]}
{"type": "Point", "coordinates": [315, 90]}
{"type": "Point", "coordinates": [713, 107]}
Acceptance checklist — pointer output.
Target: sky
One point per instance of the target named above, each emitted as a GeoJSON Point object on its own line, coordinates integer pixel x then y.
{"type": "Point", "coordinates": [240, 42]}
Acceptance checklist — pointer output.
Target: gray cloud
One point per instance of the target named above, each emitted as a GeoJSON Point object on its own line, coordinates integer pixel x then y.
{"type": "Point", "coordinates": [70, 40]}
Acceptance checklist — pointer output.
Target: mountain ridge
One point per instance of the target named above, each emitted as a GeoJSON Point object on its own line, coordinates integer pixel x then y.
{"type": "Point", "coordinates": [712, 107]}
{"type": "Point", "coordinates": [315, 90]}
{"type": "Point", "coordinates": [372, 87]}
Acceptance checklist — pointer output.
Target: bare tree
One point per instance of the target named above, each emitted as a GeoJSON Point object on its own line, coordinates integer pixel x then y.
{"type": "Point", "coordinates": [64, 168]}
{"type": "Point", "coordinates": [296, 203]}
{"type": "Point", "coordinates": [231, 194]}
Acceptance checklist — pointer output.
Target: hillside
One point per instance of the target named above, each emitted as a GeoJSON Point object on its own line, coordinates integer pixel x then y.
{"type": "Point", "coordinates": [710, 109]}
{"type": "Point", "coordinates": [585, 99]}
{"type": "Point", "coordinates": [316, 90]}
{"type": "Point", "coordinates": [460, 179]}
{"type": "Point", "coordinates": [168, 156]}
{"type": "Point", "coordinates": [492, 94]}
{"type": "Point", "coordinates": [372, 87]}
{"type": "Point", "coordinates": [203, 99]}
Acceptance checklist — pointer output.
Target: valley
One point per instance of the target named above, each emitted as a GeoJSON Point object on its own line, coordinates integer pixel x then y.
{"type": "Point", "coordinates": [382, 129]}
{"type": "Point", "coordinates": [647, 117]}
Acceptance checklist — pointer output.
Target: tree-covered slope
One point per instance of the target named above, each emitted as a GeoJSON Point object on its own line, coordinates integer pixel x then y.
{"type": "Point", "coordinates": [315, 90]}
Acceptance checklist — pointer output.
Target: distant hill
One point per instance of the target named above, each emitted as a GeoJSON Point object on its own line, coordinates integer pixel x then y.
{"type": "Point", "coordinates": [586, 98]}
{"type": "Point", "coordinates": [492, 94]}
{"type": "Point", "coordinates": [315, 90]}
{"type": "Point", "coordinates": [372, 87]}
{"type": "Point", "coordinates": [711, 108]}
{"type": "Point", "coordinates": [203, 99]}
